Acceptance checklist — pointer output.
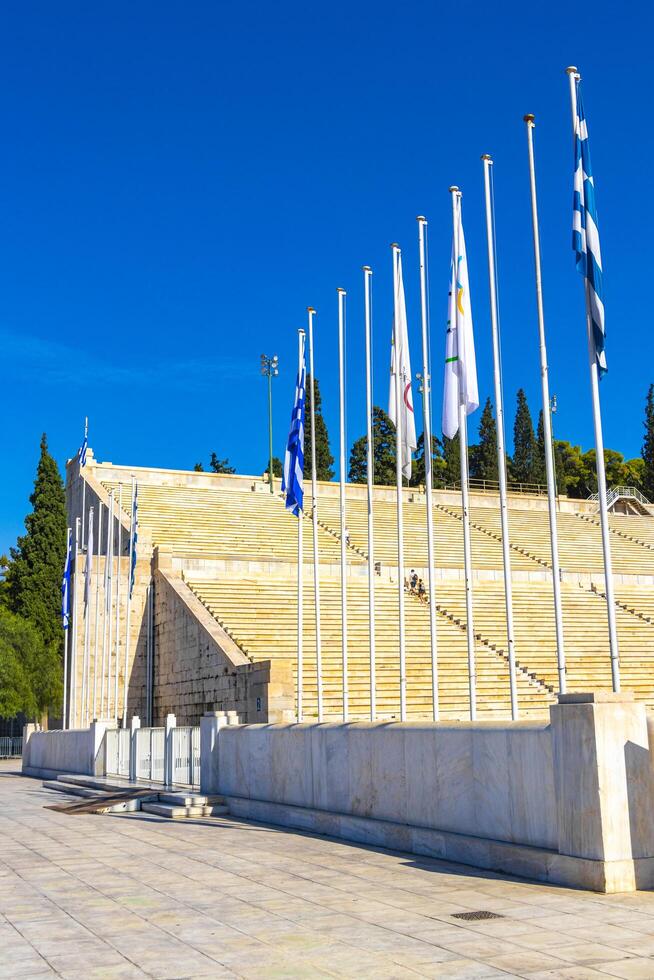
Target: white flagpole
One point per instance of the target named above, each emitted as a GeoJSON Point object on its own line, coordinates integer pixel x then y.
{"type": "Point", "coordinates": [300, 580]}
{"type": "Point", "coordinates": [97, 613]}
{"type": "Point", "coordinates": [86, 674]}
{"type": "Point", "coordinates": [547, 421]}
{"type": "Point", "coordinates": [367, 285]}
{"type": "Point", "coordinates": [64, 713]}
{"type": "Point", "coordinates": [86, 431]}
{"type": "Point", "coordinates": [465, 504]}
{"type": "Point", "coordinates": [120, 542]}
{"type": "Point", "coordinates": [341, 380]}
{"type": "Point", "coordinates": [73, 655]}
{"type": "Point", "coordinates": [574, 76]}
{"type": "Point", "coordinates": [110, 558]}
{"type": "Point", "coordinates": [107, 614]}
{"type": "Point", "coordinates": [426, 408]}
{"type": "Point", "coordinates": [314, 514]}
{"type": "Point", "coordinates": [129, 603]}
{"type": "Point", "coordinates": [398, 478]}
{"type": "Point", "coordinates": [501, 445]}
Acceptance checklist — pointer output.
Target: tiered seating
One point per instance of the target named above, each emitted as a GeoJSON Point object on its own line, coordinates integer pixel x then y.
{"type": "Point", "coordinates": [208, 523]}
{"type": "Point", "coordinates": [448, 538]}
{"type": "Point", "coordinates": [585, 634]}
{"type": "Point", "coordinates": [580, 541]}
{"type": "Point", "coordinates": [261, 616]}
{"type": "Point", "coordinates": [639, 528]}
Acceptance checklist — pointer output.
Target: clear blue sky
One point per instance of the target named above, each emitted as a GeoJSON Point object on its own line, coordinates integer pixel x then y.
{"type": "Point", "coordinates": [178, 181]}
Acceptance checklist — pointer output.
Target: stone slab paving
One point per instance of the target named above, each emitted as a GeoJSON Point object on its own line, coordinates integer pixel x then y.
{"type": "Point", "coordinates": [138, 896]}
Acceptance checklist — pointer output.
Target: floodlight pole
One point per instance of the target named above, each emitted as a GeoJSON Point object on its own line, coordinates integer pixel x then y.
{"type": "Point", "coordinates": [269, 368]}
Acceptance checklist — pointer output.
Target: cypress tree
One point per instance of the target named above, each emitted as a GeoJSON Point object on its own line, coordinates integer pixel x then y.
{"type": "Point", "coordinates": [451, 460]}
{"type": "Point", "coordinates": [383, 439]}
{"type": "Point", "coordinates": [33, 579]}
{"type": "Point", "coordinates": [523, 467]}
{"type": "Point", "coordinates": [437, 464]}
{"type": "Point", "coordinates": [483, 457]}
{"type": "Point", "coordinates": [324, 458]}
{"type": "Point", "coordinates": [648, 446]}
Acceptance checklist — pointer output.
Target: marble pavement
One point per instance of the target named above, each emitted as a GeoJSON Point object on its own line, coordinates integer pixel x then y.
{"type": "Point", "coordinates": [130, 896]}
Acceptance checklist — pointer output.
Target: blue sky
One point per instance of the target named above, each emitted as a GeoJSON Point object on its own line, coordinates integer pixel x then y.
{"type": "Point", "coordinates": [179, 181]}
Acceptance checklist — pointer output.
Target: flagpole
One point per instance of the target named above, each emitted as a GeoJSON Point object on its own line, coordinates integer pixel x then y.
{"type": "Point", "coordinates": [110, 559]}
{"type": "Point", "coordinates": [501, 445]}
{"type": "Point", "coordinates": [129, 603]}
{"type": "Point", "coordinates": [64, 720]}
{"type": "Point", "coordinates": [107, 616]}
{"type": "Point", "coordinates": [300, 581]}
{"type": "Point", "coordinates": [81, 466]}
{"type": "Point", "coordinates": [87, 629]}
{"type": "Point", "coordinates": [341, 381]}
{"type": "Point", "coordinates": [367, 285]}
{"type": "Point", "coordinates": [427, 455]}
{"type": "Point", "coordinates": [73, 655]}
{"type": "Point", "coordinates": [97, 613]}
{"type": "Point", "coordinates": [120, 542]}
{"type": "Point", "coordinates": [398, 487]}
{"type": "Point", "coordinates": [314, 514]}
{"type": "Point", "coordinates": [465, 505]}
{"type": "Point", "coordinates": [574, 77]}
{"type": "Point", "coordinates": [547, 421]}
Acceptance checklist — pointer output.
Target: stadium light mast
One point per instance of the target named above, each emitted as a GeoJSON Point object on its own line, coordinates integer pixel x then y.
{"type": "Point", "coordinates": [270, 369]}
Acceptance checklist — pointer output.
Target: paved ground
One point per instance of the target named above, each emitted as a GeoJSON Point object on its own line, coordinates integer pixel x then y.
{"type": "Point", "coordinates": [130, 896]}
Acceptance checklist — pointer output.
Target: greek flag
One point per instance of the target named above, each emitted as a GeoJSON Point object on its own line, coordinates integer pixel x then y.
{"type": "Point", "coordinates": [293, 475]}
{"type": "Point", "coordinates": [134, 533]}
{"type": "Point", "coordinates": [65, 583]}
{"type": "Point", "coordinates": [585, 235]}
{"type": "Point", "coordinates": [81, 452]}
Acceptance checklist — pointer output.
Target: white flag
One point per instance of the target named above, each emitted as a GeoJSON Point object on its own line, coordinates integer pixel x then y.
{"type": "Point", "coordinates": [460, 365]}
{"type": "Point", "coordinates": [400, 357]}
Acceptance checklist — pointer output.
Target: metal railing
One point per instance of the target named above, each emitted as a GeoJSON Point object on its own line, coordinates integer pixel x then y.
{"type": "Point", "coordinates": [168, 755]}
{"type": "Point", "coordinates": [492, 486]}
{"type": "Point", "coordinates": [615, 493]}
{"type": "Point", "coordinates": [117, 751]}
{"type": "Point", "coordinates": [11, 746]}
{"type": "Point", "coordinates": [186, 756]}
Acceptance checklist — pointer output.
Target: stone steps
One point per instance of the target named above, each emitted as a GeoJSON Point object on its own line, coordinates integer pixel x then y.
{"type": "Point", "coordinates": [170, 804]}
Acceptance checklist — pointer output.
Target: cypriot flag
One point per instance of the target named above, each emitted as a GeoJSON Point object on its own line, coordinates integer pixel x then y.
{"type": "Point", "coordinates": [400, 357]}
{"type": "Point", "coordinates": [460, 364]}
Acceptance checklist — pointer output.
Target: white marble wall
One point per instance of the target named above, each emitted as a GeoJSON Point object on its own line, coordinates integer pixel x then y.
{"type": "Point", "coordinates": [485, 780]}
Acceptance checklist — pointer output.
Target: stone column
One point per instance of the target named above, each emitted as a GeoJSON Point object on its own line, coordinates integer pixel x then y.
{"type": "Point", "coordinates": [605, 787]}
{"type": "Point", "coordinates": [210, 725]}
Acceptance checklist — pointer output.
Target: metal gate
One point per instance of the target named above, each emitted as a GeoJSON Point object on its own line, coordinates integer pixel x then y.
{"type": "Point", "coordinates": [150, 751]}
{"type": "Point", "coordinates": [186, 756]}
{"type": "Point", "coordinates": [117, 746]}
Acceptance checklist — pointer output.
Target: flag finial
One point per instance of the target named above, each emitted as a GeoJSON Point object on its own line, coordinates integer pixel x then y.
{"type": "Point", "coordinates": [487, 156]}
{"type": "Point", "coordinates": [530, 119]}
{"type": "Point", "coordinates": [421, 218]}
{"type": "Point", "coordinates": [310, 309]}
{"type": "Point", "coordinates": [366, 268]}
{"type": "Point", "coordinates": [572, 70]}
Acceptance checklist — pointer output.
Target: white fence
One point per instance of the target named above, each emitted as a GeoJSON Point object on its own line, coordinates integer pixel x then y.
{"type": "Point", "coordinates": [117, 747]}
{"type": "Point", "coordinates": [167, 755]}
{"type": "Point", "coordinates": [11, 746]}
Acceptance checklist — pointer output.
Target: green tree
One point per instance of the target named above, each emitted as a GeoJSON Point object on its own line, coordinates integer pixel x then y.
{"type": "Point", "coordinates": [383, 439]}
{"type": "Point", "coordinates": [540, 467]}
{"type": "Point", "coordinates": [324, 458]}
{"type": "Point", "coordinates": [276, 465]}
{"type": "Point", "coordinates": [647, 480]}
{"type": "Point", "coordinates": [30, 678]}
{"type": "Point", "coordinates": [524, 468]}
{"type": "Point", "coordinates": [451, 469]}
{"type": "Point", "coordinates": [198, 468]}
{"type": "Point", "coordinates": [437, 462]}
{"type": "Point", "coordinates": [220, 465]}
{"type": "Point", "coordinates": [483, 456]}
{"type": "Point", "coordinates": [33, 578]}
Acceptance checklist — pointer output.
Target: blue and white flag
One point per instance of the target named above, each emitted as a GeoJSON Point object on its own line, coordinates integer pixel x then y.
{"type": "Point", "coordinates": [585, 235]}
{"type": "Point", "coordinates": [65, 583]}
{"type": "Point", "coordinates": [134, 533]}
{"type": "Point", "coordinates": [293, 475]}
{"type": "Point", "coordinates": [81, 452]}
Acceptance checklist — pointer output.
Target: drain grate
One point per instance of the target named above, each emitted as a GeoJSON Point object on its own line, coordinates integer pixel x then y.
{"type": "Point", "coordinates": [475, 916]}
